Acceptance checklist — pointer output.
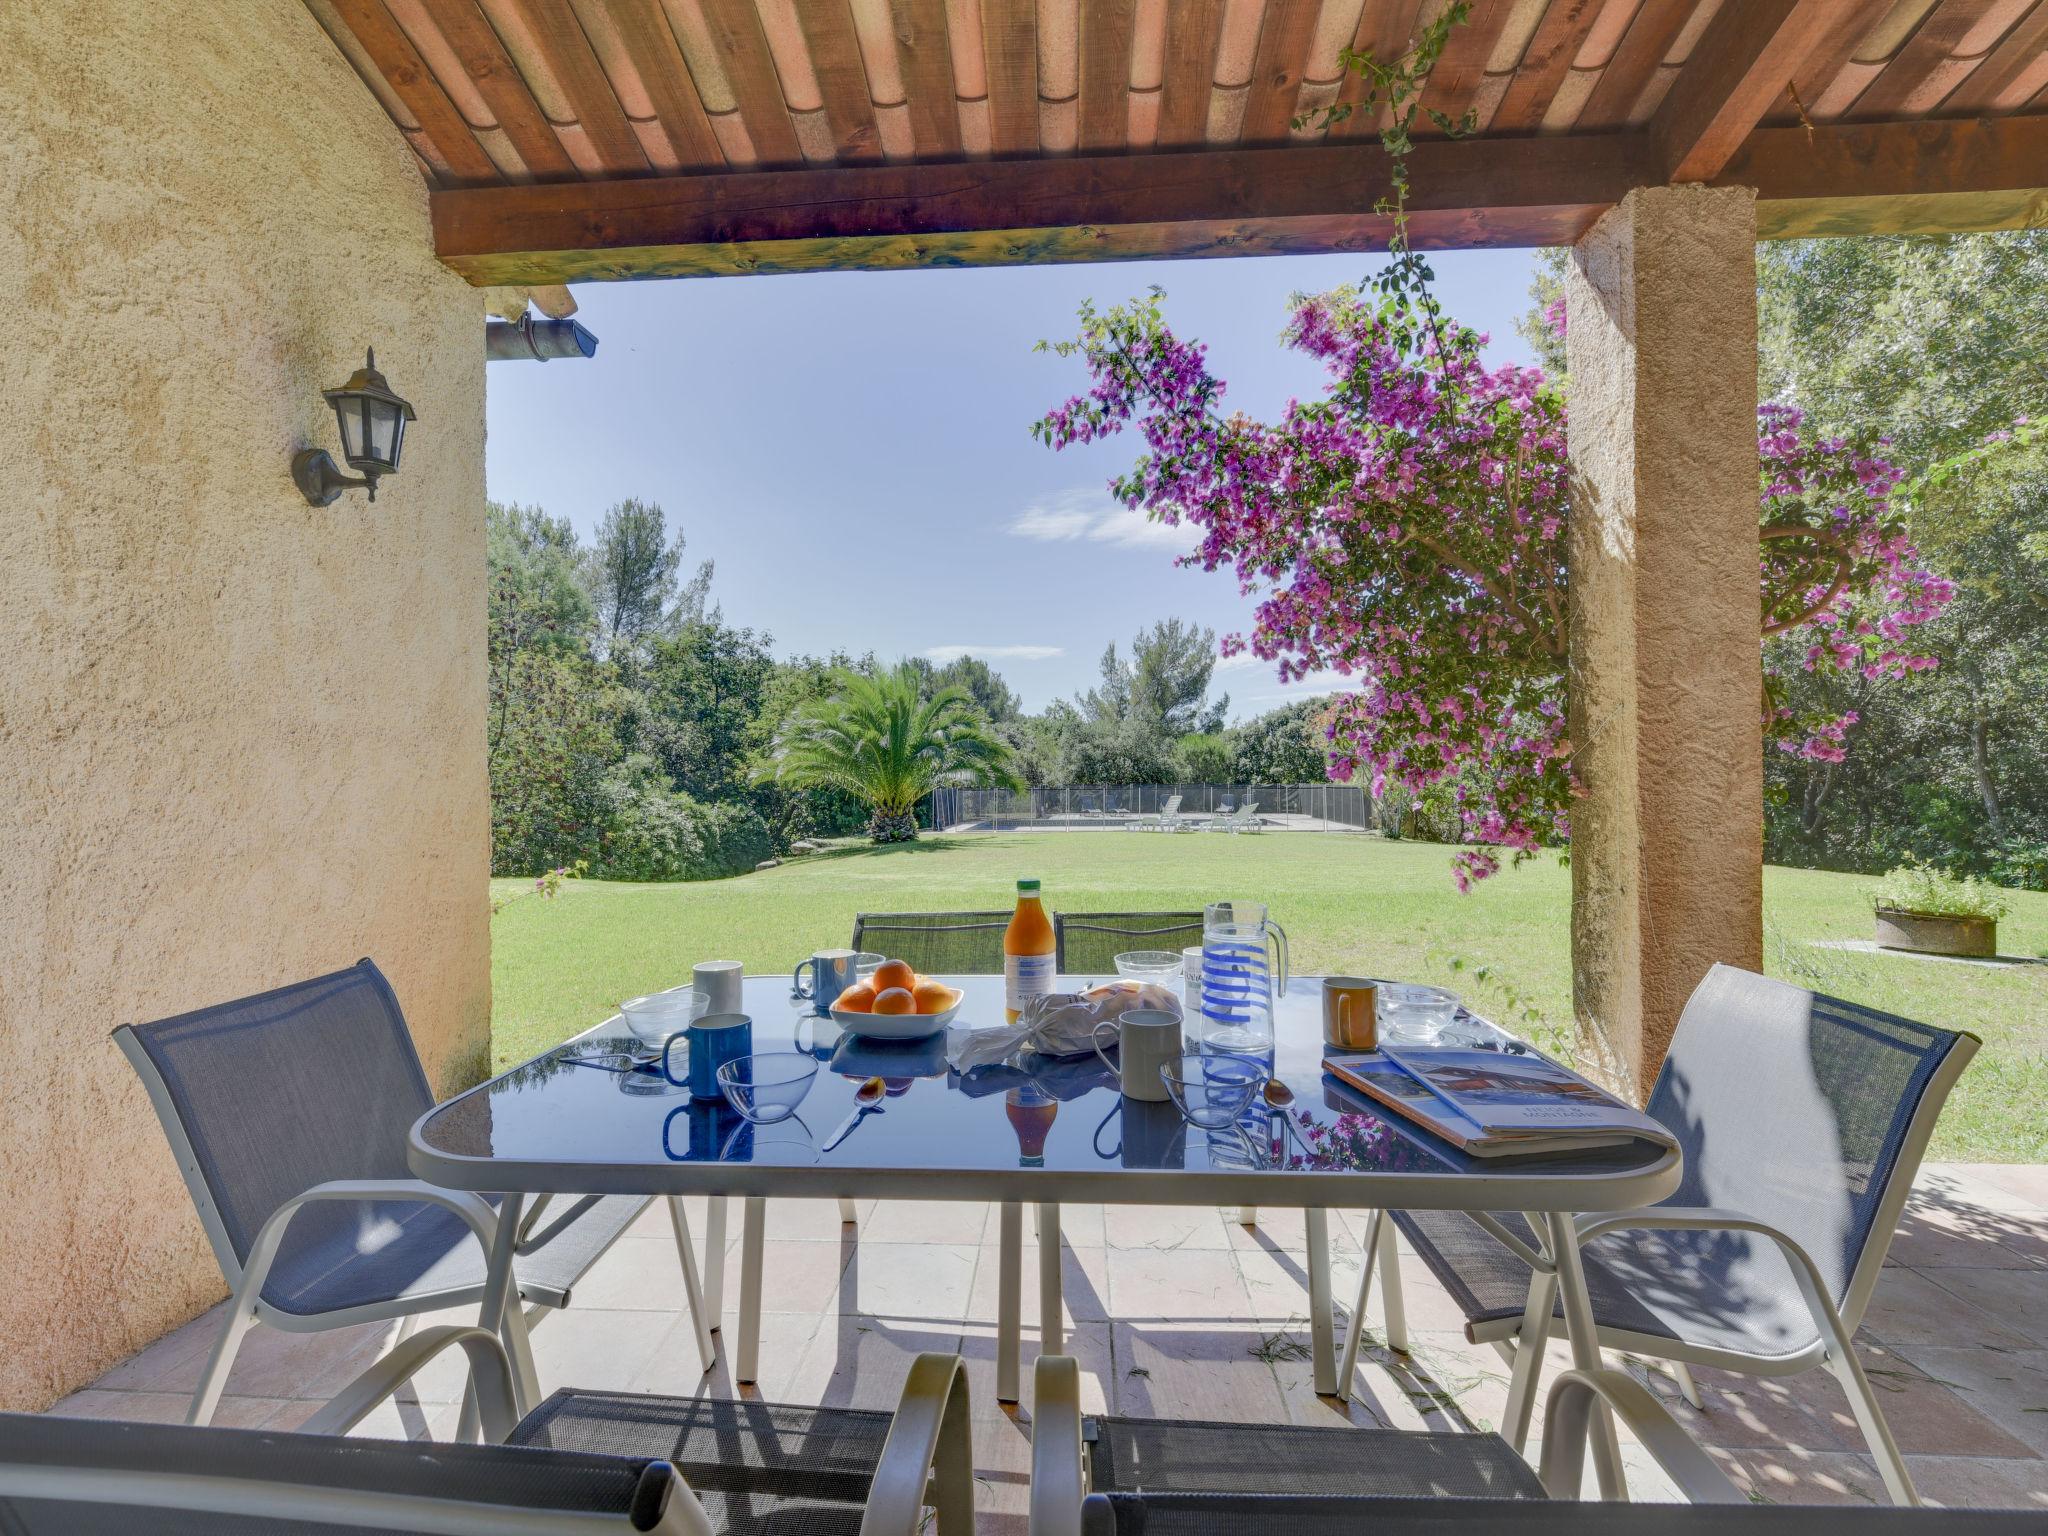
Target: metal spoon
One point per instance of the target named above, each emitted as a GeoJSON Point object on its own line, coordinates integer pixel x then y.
{"type": "Point", "coordinates": [1277, 1093]}
{"type": "Point", "coordinates": [867, 1096]}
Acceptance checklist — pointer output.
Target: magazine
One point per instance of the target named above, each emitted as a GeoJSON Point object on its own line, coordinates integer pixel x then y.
{"type": "Point", "coordinates": [1494, 1104]}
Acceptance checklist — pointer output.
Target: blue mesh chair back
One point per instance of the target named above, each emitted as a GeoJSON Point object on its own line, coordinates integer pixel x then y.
{"type": "Point", "coordinates": [937, 943]}
{"type": "Point", "coordinates": [1089, 942]}
{"type": "Point", "coordinates": [106, 1472]}
{"type": "Point", "coordinates": [278, 1093]}
{"type": "Point", "coordinates": [1793, 1108]}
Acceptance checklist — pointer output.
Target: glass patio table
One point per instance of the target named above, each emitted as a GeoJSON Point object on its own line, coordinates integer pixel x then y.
{"type": "Point", "coordinates": [1059, 1132]}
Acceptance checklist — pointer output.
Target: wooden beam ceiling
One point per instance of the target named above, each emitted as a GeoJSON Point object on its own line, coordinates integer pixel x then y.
{"type": "Point", "coordinates": [599, 138]}
{"type": "Point", "coordinates": [1737, 72]}
{"type": "Point", "coordinates": [1848, 179]}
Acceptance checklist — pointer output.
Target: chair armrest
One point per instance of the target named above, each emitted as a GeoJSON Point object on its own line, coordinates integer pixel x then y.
{"type": "Point", "coordinates": [1707, 1218]}
{"type": "Point", "coordinates": [1567, 1422]}
{"type": "Point", "coordinates": [473, 1210]}
{"type": "Point", "coordinates": [928, 1457]}
{"type": "Point", "coordinates": [490, 1371]}
{"type": "Point", "coordinates": [1059, 1475]}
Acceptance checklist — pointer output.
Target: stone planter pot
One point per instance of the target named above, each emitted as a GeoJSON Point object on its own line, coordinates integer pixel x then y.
{"type": "Point", "coordinates": [1930, 934]}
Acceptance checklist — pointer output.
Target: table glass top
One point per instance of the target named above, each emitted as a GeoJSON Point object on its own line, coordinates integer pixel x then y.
{"type": "Point", "coordinates": [1060, 1115]}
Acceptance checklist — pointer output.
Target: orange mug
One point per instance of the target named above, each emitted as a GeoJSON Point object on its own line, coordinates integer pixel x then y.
{"type": "Point", "coordinates": [1351, 1013]}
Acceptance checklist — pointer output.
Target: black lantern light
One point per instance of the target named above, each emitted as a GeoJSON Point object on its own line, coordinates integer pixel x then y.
{"type": "Point", "coordinates": [372, 421]}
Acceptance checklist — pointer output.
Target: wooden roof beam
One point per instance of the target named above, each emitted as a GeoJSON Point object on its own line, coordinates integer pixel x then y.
{"type": "Point", "coordinates": [1868, 178]}
{"type": "Point", "coordinates": [1467, 193]}
{"type": "Point", "coordinates": [1920, 178]}
{"type": "Point", "coordinates": [1739, 69]}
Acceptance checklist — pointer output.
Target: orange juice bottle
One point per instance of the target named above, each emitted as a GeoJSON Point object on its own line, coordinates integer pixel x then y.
{"type": "Point", "coordinates": [1027, 952]}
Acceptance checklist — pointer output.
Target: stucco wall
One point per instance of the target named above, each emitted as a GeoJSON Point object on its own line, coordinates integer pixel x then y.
{"type": "Point", "coordinates": [241, 739]}
{"type": "Point", "coordinates": [1666, 628]}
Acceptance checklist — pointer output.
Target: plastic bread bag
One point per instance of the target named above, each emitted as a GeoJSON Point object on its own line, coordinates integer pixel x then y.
{"type": "Point", "coordinates": [1059, 1024]}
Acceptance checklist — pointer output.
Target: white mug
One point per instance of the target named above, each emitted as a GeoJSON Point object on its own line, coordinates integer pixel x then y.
{"type": "Point", "coordinates": [720, 982]}
{"type": "Point", "coordinates": [1147, 1039]}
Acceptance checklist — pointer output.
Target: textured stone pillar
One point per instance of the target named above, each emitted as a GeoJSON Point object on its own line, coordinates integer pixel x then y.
{"type": "Point", "coordinates": [1666, 684]}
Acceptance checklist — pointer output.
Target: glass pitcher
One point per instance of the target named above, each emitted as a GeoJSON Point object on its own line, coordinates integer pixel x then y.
{"type": "Point", "coordinates": [1244, 964]}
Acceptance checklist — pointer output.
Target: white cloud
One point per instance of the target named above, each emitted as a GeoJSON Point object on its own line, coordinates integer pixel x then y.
{"type": "Point", "coordinates": [1100, 518]}
{"type": "Point", "coordinates": [945, 653]}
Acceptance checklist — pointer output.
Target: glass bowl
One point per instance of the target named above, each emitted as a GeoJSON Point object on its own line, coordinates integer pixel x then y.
{"type": "Point", "coordinates": [655, 1017]}
{"type": "Point", "coordinates": [865, 963]}
{"type": "Point", "coordinates": [768, 1087]}
{"type": "Point", "coordinates": [1159, 966]}
{"type": "Point", "coordinates": [1415, 1014]}
{"type": "Point", "coordinates": [1212, 1091]}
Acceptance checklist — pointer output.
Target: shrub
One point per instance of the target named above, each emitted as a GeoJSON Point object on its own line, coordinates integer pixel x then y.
{"type": "Point", "coordinates": [735, 839]}
{"type": "Point", "coordinates": [1923, 889]}
{"type": "Point", "coordinates": [655, 832]}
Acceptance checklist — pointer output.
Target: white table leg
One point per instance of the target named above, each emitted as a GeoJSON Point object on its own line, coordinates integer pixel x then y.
{"type": "Point", "coordinates": [753, 1217]}
{"type": "Point", "coordinates": [1528, 1362]}
{"type": "Point", "coordinates": [1391, 1300]}
{"type": "Point", "coordinates": [1009, 1298]}
{"type": "Point", "coordinates": [1052, 1338]}
{"type": "Point", "coordinates": [714, 1262]}
{"type": "Point", "coordinates": [1585, 1340]}
{"type": "Point", "coordinates": [1322, 1317]}
{"type": "Point", "coordinates": [1354, 1334]}
{"type": "Point", "coordinates": [501, 1304]}
{"type": "Point", "coordinates": [693, 1283]}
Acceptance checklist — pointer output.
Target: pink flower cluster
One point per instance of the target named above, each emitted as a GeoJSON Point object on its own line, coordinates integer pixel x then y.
{"type": "Point", "coordinates": [1407, 530]}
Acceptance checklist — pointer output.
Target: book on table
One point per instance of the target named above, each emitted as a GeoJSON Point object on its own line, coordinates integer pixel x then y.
{"type": "Point", "coordinates": [1492, 1103]}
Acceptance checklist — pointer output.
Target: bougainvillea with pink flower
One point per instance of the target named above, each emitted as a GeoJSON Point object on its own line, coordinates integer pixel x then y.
{"type": "Point", "coordinates": [1407, 531]}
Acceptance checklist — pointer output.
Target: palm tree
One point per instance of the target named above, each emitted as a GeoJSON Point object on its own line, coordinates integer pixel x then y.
{"type": "Point", "coordinates": [878, 737]}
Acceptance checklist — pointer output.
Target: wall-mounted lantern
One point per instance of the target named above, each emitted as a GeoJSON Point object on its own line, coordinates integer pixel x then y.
{"type": "Point", "coordinates": [372, 421]}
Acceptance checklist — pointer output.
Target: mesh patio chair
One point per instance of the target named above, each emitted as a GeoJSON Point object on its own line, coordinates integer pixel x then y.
{"type": "Point", "coordinates": [1089, 942]}
{"type": "Point", "coordinates": [1802, 1119]}
{"type": "Point", "coordinates": [937, 943]}
{"type": "Point", "coordinates": [1277, 1480]}
{"type": "Point", "coordinates": [288, 1115]}
{"type": "Point", "coordinates": [581, 1463]}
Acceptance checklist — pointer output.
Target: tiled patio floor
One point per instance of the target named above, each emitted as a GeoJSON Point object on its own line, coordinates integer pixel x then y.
{"type": "Point", "coordinates": [1182, 1313]}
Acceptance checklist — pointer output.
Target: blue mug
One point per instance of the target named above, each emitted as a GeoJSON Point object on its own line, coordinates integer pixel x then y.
{"type": "Point", "coordinates": [712, 1041]}
{"type": "Point", "coordinates": [832, 972]}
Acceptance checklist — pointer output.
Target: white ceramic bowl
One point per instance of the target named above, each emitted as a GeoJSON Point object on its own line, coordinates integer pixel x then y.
{"type": "Point", "coordinates": [897, 1026]}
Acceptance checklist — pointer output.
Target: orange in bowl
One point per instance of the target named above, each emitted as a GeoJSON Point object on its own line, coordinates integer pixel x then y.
{"type": "Point", "coordinates": [892, 973]}
{"type": "Point", "coordinates": [932, 996]}
{"type": "Point", "coordinates": [895, 1000]}
{"type": "Point", "coordinates": [858, 998]}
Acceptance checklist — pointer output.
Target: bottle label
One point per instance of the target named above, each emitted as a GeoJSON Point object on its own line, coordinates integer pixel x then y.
{"type": "Point", "coordinates": [1025, 977]}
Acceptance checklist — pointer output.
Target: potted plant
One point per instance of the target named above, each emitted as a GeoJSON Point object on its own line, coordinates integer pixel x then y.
{"type": "Point", "coordinates": [1922, 909]}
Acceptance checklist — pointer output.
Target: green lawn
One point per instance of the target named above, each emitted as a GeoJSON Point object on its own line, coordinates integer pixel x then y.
{"type": "Point", "coordinates": [1348, 903]}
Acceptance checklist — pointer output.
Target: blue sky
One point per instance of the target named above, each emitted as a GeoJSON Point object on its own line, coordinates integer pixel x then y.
{"type": "Point", "coordinates": [852, 449]}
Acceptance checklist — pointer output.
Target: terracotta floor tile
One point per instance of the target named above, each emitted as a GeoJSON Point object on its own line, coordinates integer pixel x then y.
{"type": "Point", "coordinates": [1088, 1343]}
{"type": "Point", "coordinates": [1791, 1476]}
{"type": "Point", "coordinates": [909, 1280]}
{"type": "Point", "coordinates": [1164, 1227]}
{"type": "Point", "coordinates": [858, 1361]}
{"type": "Point", "coordinates": [1970, 1482]}
{"type": "Point", "coordinates": [927, 1221]}
{"type": "Point", "coordinates": [1194, 1371]}
{"type": "Point", "coordinates": [1176, 1284]}
{"type": "Point", "coordinates": [2021, 1184]}
{"type": "Point", "coordinates": [1211, 1323]}
{"type": "Point", "coordinates": [1084, 1284]}
{"type": "Point", "coordinates": [2008, 1387]}
{"type": "Point", "coordinates": [2017, 1298]}
{"type": "Point", "coordinates": [796, 1276]}
{"type": "Point", "coordinates": [1942, 1235]}
{"type": "Point", "coordinates": [170, 1408]}
{"type": "Point", "coordinates": [1909, 1307]}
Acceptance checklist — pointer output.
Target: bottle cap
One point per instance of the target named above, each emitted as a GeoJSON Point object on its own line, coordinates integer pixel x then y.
{"type": "Point", "coordinates": [1027, 886]}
